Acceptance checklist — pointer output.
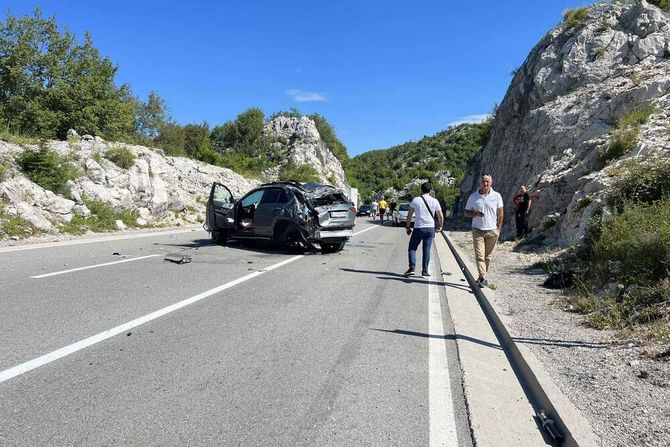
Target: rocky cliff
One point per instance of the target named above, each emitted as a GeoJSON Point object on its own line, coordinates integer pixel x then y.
{"type": "Point", "coordinates": [555, 127]}
{"type": "Point", "coordinates": [304, 146]}
{"type": "Point", "coordinates": [160, 190]}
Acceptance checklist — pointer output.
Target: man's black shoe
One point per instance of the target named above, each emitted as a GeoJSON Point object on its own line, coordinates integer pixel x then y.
{"type": "Point", "coordinates": [409, 272]}
{"type": "Point", "coordinates": [425, 274]}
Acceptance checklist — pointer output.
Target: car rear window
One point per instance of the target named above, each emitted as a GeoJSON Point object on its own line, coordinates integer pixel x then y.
{"type": "Point", "coordinates": [403, 207]}
{"type": "Point", "coordinates": [274, 195]}
{"type": "Point", "coordinates": [334, 198]}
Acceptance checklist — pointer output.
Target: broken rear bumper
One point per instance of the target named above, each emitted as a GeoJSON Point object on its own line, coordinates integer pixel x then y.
{"type": "Point", "coordinates": [333, 234]}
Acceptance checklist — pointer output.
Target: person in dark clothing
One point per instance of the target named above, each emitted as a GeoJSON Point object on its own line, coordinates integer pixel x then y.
{"type": "Point", "coordinates": [522, 204]}
{"type": "Point", "coordinates": [454, 210]}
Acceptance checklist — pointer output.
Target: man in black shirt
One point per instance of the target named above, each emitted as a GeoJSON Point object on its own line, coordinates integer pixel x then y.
{"type": "Point", "coordinates": [522, 205]}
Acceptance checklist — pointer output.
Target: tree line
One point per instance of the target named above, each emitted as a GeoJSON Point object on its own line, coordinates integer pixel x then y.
{"type": "Point", "coordinates": [377, 171]}
{"type": "Point", "coordinates": [50, 83]}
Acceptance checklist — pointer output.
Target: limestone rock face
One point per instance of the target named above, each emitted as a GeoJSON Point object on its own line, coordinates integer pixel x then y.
{"type": "Point", "coordinates": [164, 190]}
{"type": "Point", "coordinates": [557, 117]}
{"type": "Point", "coordinates": [304, 146]}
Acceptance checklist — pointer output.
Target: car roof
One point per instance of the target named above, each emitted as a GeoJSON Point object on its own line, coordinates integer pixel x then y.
{"type": "Point", "coordinates": [295, 184]}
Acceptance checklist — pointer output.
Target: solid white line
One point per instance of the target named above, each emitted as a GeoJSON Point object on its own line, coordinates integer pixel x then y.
{"type": "Point", "coordinates": [62, 272]}
{"type": "Point", "coordinates": [78, 346]}
{"type": "Point", "coordinates": [363, 231]}
{"type": "Point", "coordinates": [94, 240]}
{"type": "Point", "coordinates": [442, 422]}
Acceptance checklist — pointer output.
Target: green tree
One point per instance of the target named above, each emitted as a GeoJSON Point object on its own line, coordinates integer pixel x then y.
{"type": "Point", "coordinates": [151, 117]}
{"type": "Point", "coordinates": [172, 140]}
{"type": "Point", "coordinates": [49, 83]}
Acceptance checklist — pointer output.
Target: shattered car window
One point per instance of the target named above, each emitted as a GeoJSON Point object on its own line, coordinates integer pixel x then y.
{"type": "Point", "coordinates": [221, 194]}
{"type": "Point", "coordinates": [253, 198]}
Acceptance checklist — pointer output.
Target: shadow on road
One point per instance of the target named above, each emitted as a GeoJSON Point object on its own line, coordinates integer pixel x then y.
{"type": "Point", "coordinates": [441, 337]}
{"type": "Point", "coordinates": [250, 245]}
{"type": "Point", "coordinates": [409, 279]}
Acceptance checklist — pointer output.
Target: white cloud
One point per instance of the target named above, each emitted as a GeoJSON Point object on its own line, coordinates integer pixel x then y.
{"type": "Point", "coordinates": [301, 96]}
{"type": "Point", "coordinates": [470, 119]}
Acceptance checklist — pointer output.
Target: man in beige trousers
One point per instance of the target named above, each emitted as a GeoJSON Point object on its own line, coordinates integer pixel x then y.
{"type": "Point", "coordinates": [486, 208]}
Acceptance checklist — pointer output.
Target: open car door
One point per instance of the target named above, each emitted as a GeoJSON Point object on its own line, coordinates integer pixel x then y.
{"type": "Point", "coordinates": [220, 210]}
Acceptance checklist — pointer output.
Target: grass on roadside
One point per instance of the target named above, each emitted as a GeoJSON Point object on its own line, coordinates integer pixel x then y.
{"type": "Point", "coordinates": [103, 218]}
{"type": "Point", "coordinates": [11, 226]}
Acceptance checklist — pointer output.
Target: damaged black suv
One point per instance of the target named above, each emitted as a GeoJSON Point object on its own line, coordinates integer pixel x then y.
{"type": "Point", "coordinates": [307, 215]}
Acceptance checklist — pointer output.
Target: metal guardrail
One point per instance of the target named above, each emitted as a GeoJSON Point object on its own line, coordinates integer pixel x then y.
{"type": "Point", "coordinates": [548, 416]}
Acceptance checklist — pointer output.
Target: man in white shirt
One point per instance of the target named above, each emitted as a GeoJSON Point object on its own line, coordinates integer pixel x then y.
{"type": "Point", "coordinates": [428, 220]}
{"type": "Point", "coordinates": [485, 206]}
{"type": "Point", "coordinates": [373, 209]}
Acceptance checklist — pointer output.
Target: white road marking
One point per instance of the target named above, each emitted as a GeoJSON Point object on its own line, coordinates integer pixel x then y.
{"type": "Point", "coordinates": [62, 272]}
{"type": "Point", "coordinates": [363, 231]}
{"type": "Point", "coordinates": [442, 422]}
{"type": "Point", "coordinates": [109, 333]}
{"type": "Point", "coordinates": [94, 240]}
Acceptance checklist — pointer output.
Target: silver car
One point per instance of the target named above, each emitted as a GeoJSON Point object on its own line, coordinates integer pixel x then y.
{"type": "Point", "coordinates": [400, 215]}
{"type": "Point", "coordinates": [307, 215]}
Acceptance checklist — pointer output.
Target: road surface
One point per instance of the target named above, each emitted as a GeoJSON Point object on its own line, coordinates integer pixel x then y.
{"type": "Point", "coordinates": [105, 343]}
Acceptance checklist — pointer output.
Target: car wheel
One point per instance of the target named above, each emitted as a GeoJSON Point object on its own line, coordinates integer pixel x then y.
{"type": "Point", "coordinates": [332, 247]}
{"type": "Point", "coordinates": [219, 237]}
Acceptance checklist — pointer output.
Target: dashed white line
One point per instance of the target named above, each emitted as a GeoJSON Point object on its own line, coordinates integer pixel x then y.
{"type": "Point", "coordinates": [62, 272]}
{"type": "Point", "coordinates": [442, 421]}
{"type": "Point", "coordinates": [78, 346]}
{"type": "Point", "coordinates": [109, 333]}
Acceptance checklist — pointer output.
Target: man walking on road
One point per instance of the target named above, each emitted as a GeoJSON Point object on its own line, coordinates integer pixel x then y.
{"type": "Point", "coordinates": [485, 206]}
{"type": "Point", "coordinates": [382, 209]}
{"type": "Point", "coordinates": [429, 219]}
{"type": "Point", "coordinates": [373, 209]}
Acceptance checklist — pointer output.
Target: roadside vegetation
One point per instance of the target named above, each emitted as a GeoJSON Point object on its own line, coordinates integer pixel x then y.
{"type": "Point", "coordinates": [300, 173]}
{"type": "Point", "coordinates": [13, 226]}
{"type": "Point", "coordinates": [663, 4]}
{"type": "Point", "coordinates": [121, 156]}
{"type": "Point", "coordinates": [574, 17]}
{"type": "Point", "coordinates": [103, 218]}
{"type": "Point", "coordinates": [627, 131]}
{"type": "Point", "coordinates": [622, 269]}
{"type": "Point", "coordinates": [48, 169]}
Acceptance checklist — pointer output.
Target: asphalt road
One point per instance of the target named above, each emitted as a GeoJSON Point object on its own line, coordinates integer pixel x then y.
{"type": "Point", "coordinates": [246, 345]}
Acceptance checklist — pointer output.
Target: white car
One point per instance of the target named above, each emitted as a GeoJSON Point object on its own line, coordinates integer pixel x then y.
{"type": "Point", "coordinates": [400, 215]}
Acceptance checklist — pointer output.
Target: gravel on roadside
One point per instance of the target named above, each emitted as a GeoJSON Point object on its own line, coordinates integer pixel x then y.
{"type": "Point", "coordinates": [623, 393]}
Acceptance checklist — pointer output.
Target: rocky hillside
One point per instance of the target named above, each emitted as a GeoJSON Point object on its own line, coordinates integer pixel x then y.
{"type": "Point", "coordinates": [592, 93]}
{"type": "Point", "coordinates": [302, 145]}
{"type": "Point", "coordinates": [398, 171]}
{"type": "Point", "coordinates": [153, 189]}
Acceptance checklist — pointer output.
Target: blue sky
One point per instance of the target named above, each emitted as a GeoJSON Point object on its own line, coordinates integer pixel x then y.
{"type": "Point", "coordinates": [382, 72]}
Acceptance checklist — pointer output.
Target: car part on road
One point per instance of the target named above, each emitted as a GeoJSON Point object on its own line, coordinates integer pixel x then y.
{"type": "Point", "coordinates": [177, 258]}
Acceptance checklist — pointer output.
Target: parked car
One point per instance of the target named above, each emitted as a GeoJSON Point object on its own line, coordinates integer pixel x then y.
{"type": "Point", "coordinates": [284, 213]}
{"type": "Point", "coordinates": [364, 210]}
{"type": "Point", "coordinates": [400, 215]}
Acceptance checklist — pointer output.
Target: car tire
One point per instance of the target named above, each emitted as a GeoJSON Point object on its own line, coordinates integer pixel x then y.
{"type": "Point", "coordinates": [332, 247]}
{"type": "Point", "coordinates": [219, 237]}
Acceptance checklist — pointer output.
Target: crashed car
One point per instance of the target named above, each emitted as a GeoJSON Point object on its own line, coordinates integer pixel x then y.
{"type": "Point", "coordinates": [307, 215]}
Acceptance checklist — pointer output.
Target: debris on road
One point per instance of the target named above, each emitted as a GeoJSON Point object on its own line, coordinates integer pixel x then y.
{"type": "Point", "coordinates": [177, 258]}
